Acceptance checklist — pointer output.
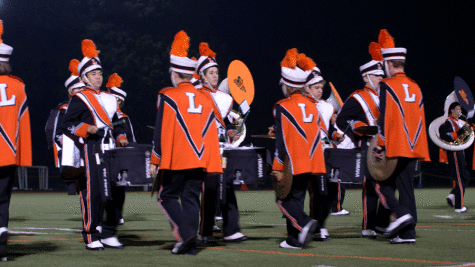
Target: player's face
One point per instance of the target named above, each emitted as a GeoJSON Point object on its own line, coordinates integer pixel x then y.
{"type": "Point", "coordinates": [95, 78]}
{"type": "Point", "coordinates": [375, 79]}
{"type": "Point", "coordinates": [316, 90]}
{"type": "Point", "coordinates": [211, 75]}
{"type": "Point", "coordinates": [456, 112]}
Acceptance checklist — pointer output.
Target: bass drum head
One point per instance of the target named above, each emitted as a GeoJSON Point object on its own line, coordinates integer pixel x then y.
{"type": "Point", "coordinates": [380, 169]}
{"type": "Point", "coordinates": [282, 187]}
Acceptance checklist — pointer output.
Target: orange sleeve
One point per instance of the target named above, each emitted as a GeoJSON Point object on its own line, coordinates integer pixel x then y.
{"type": "Point", "coordinates": [277, 166]}
{"type": "Point", "coordinates": [81, 131]}
{"type": "Point", "coordinates": [155, 160]}
{"type": "Point", "coordinates": [24, 140]}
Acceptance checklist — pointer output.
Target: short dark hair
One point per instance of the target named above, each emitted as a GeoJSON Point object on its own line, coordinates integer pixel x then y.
{"type": "Point", "coordinates": [452, 106]}
{"type": "Point", "coordinates": [184, 76]}
{"type": "Point", "coordinates": [398, 63]}
{"type": "Point", "coordinates": [5, 68]}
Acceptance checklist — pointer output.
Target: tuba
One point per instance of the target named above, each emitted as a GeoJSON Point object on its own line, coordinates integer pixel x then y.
{"type": "Point", "coordinates": [463, 142]}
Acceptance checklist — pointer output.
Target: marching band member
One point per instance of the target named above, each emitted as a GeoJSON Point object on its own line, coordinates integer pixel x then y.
{"type": "Point", "coordinates": [402, 134]}
{"type": "Point", "coordinates": [88, 111]}
{"type": "Point", "coordinates": [298, 138]}
{"type": "Point", "coordinates": [320, 201]}
{"type": "Point", "coordinates": [362, 109]}
{"type": "Point", "coordinates": [185, 148]}
{"type": "Point", "coordinates": [449, 131]}
{"type": "Point", "coordinates": [118, 192]}
{"type": "Point", "coordinates": [207, 69]}
{"type": "Point", "coordinates": [15, 136]}
{"type": "Point", "coordinates": [54, 125]}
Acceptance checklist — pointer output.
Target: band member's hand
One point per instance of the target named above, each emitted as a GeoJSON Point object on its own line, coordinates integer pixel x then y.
{"type": "Point", "coordinates": [378, 152]}
{"type": "Point", "coordinates": [123, 142]}
{"type": "Point", "coordinates": [340, 137]}
{"type": "Point", "coordinates": [91, 129]}
{"type": "Point", "coordinates": [271, 131]}
{"type": "Point", "coordinates": [153, 170]}
{"type": "Point", "coordinates": [333, 119]}
{"type": "Point", "coordinates": [278, 175]}
{"type": "Point", "coordinates": [235, 136]}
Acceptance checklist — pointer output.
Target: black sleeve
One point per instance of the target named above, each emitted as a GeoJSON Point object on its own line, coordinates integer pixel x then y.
{"type": "Point", "coordinates": [280, 151]}
{"type": "Point", "coordinates": [445, 132]}
{"type": "Point", "coordinates": [382, 109]}
{"type": "Point", "coordinates": [157, 133]}
{"type": "Point", "coordinates": [350, 113]}
{"type": "Point", "coordinates": [76, 115]}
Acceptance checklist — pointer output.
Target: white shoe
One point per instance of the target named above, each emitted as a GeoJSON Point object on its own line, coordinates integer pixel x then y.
{"type": "Point", "coordinates": [369, 234]}
{"type": "Point", "coordinates": [216, 229]}
{"type": "Point", "coordinates": [99, 229]}
{"type": "Point", "coordinates": [324, 232]}
{"type": "Point", "coordinates": [237, 237]}
{"type": "Point", "coordinates": [399, 240]}
{"type": "Point", "coordinates": [306, 235]}
{"type": "Point", "coordinates": [284, 244]}
{"type": "Point", "coordinates": [121, 221]}
{"type": "Point", "coordinates": [96, 245]}
{"type": "Point", "coordinates": [395, 226]}
{"type": "Point", "coordinates": [182, 247]}
{"type": "Point", "coordinates": [218, 218]}
{"type": "Point", "coordinates": [451, 200]}
{"type": "Point", "coordinates": [112, 242]}
{"type": "Point", "coordinates": [462, 210]}
{"type": "Point", "coordinates": [342, 212]}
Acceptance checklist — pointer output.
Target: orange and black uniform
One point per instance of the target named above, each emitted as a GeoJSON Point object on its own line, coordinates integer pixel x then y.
{"type": "Point", "coordinates": [402, 132]}
{"type": "Point", "coordinates": [186, 148]}
{"type": "Point", "coordinates": [298, 137]}
{"type": "Point", "coordinates": [15, 138]}
{"type": "Point", "coordinates": [362, 109]}
{"type": "Point", "coordinates": [210, 202]}
{"type": "Point", "coordinates": [98, 108]}
{"type": "Point", "coordinates": [450, 131]}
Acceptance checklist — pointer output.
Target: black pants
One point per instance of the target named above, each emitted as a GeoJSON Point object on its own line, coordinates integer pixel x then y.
{"type": "Point", "coordinates": [374, 213]}
{"type": "Point", "coordinates": [321, 201]}
{"type": "Point", "coordinates": [403, 180]}
{"type": "Point", "coordinates": [338, 198]}
{"type": "Point", "coordinates": [7, 176]}
{"type": "Point", "coordinates": [183, 215]}
{"type": "Point", "coordinates": [293, 207]}
{"type": "Point", "coordinates": [118, 194]}
{"type": "Point", "coordinates": [95, 196]}
{"type": "Point", "coordinates": [209, 205]}
{"type": "Point", "coordinates": [460, 174]}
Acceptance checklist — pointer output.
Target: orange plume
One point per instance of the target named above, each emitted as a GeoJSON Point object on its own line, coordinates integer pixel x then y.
{"type": "Point", "coordinates": [194, 58]}
{"type": "Point", "coordinates": [206, 51]}
{"type": "Point", "coordinates": [385, 40]}
{"type": "Point", "coordinates": [305, 62]}
{"type": "Point", "coordinates": [196, 76]}
{"type": "Point", "coordinates": [89, 48]}
{"type": "Point", "coordinates": [114, 81]}
{"type": "Point", "coordinates": [1, 31]}
{"type": "Point", "coordinates": [290, 59]}
{"type": "Point", "coordinates": [375, 51]}
{"type": "Point", "coordinates": [73, 67]}
{"type": "Point", "coordinates": [180, 45]}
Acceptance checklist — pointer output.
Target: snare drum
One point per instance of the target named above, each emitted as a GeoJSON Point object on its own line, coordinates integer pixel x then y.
{"type": "Point", "coordinates": [345, 165]}
{"type": "Point", "coordinates": [129, 166]}
{"type": "Point", "coordinates": [245, 165]}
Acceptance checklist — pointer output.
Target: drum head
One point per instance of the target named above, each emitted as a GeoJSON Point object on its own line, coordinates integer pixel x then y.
{"type": "Point", "coordinates": [282, 187]}
{"type": "Point", "coordinates": [240, 82]}
{"type": "Point", "coordinates": [380, 169]}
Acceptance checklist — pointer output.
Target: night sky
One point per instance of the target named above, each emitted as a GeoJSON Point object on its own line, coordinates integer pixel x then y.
{"type": "Point", "coordinates": [336, 34]}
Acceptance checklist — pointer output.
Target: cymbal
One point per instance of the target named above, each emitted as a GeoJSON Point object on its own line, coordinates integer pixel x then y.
{"type": "Point", "coordinates": [367, 130]}
{"type": "Point", "coordinates": [263, 136]}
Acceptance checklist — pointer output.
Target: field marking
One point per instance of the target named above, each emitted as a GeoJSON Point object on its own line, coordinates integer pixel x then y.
{"type": "Point", "coordinates": [334, 256]}
{"type": "Point", "coordinates": [44, 228]}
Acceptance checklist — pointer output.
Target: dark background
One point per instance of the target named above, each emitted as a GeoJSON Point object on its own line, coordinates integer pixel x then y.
{"type": "Point", "coordinates": [135, 37]}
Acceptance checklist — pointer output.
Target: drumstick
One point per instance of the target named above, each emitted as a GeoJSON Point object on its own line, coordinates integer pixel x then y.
{"type": "Point", "coordinates": [112, 124]}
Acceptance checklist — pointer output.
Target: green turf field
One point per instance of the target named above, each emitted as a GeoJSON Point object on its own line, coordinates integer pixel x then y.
{"type": "Point", "coordinates": [46, 233]}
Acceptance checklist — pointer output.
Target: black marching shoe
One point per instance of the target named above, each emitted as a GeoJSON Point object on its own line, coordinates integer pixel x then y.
{"type": "Point", "coordinates": [397, 225]}
{"type": "Point", "coordinates": [3, 246]}
{"type": "Point", "coordinates": [185, 246]}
